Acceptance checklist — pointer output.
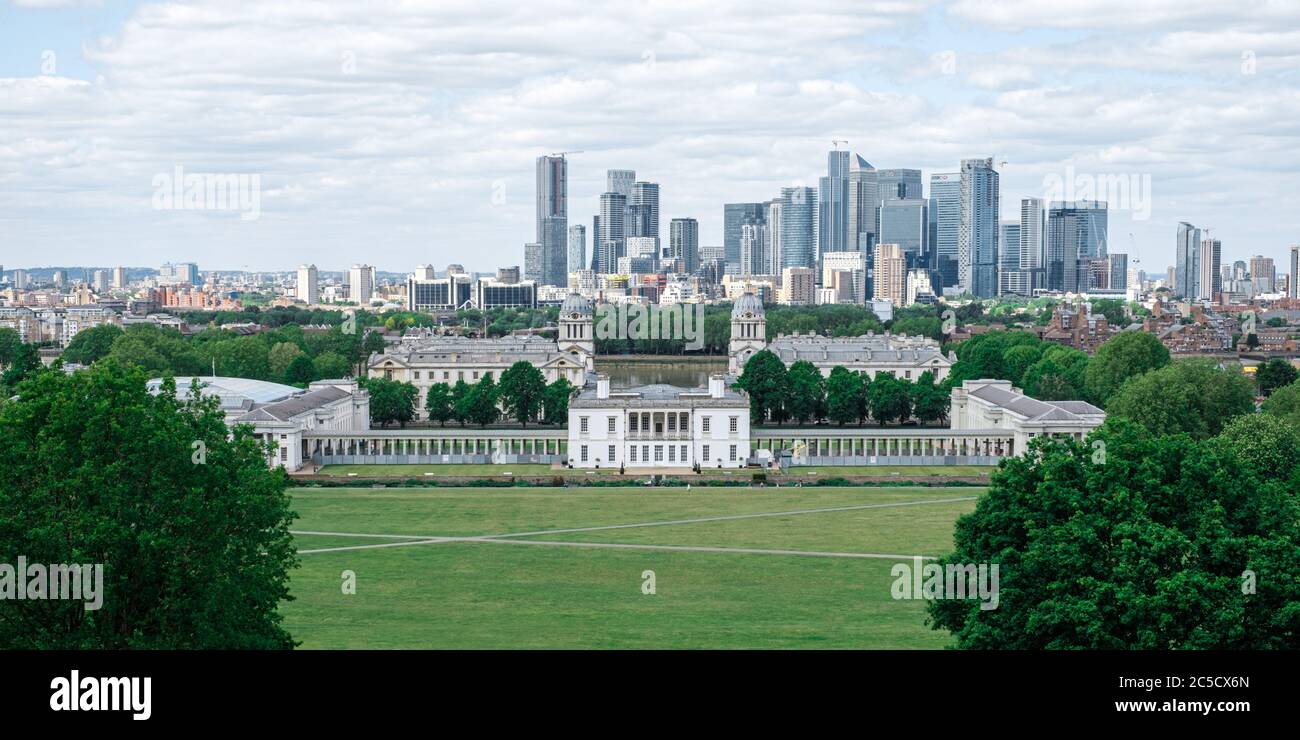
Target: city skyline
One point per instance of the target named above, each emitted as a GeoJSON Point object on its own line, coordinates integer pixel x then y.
{"type": "Point", "coordinates": [358, 151]}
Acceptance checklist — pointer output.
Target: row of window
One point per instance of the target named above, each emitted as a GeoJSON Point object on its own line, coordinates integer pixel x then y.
{"type": "Point", "coordinates": [733, 423]}
{"type": "Point", "coordinates": [675, 453]}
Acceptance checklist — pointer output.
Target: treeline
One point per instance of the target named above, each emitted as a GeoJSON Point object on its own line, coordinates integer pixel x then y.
{"type": "Point", "coordinates": [521, 395]}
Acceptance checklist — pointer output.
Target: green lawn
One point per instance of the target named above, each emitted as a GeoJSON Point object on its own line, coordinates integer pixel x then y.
{"type": "Point", "coordinates": [496, 595]}
{"type": "Point", "coordinates": [890, 470]}
{"type": "Point", "coordinates": [416, 471]}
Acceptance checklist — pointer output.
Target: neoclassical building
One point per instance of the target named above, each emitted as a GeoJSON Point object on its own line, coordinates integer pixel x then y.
{"type": "Point", "coordinates": [904, 356]}
{"type": "Point", "coordinates": [424, 360]}
{"type": "Point", "coordinates": [998, 405]}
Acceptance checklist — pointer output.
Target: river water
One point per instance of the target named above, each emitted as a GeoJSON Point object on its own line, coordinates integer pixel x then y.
{"type": "Point", "coordinates": [694, 374]}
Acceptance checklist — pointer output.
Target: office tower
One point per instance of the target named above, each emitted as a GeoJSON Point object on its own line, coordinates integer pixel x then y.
{"type": "Point", "coordinates": [533, 261]}
{"type": "Point", "coordinates": [361, 284]}
{"type": "Point", "coordinates": [753, 250]}
{"type": "Point", "coordinates": [1076, 231]}
{"type": "Point", "coordinates": [889, 266]}
{"type": "Point", "coordinates": [422, 272]}
{"type": "Point", "coordinates": [1263, 274]}
{"type": "Point", "coordinates": [425, 292]}
{"type": "Point", "coordinates": [644, 250]}
{"type": "Point", "coordinates": [577, 258]}
{"type": "Point", "coordinates": [609, 242]}
{"type": "Point", "coordinates": [863, 200]}
{"type": "Point", "coordinates": [620, 181]}
{"type": "Point", "coordinates": [1031, 245]}
{"type": "Point", "coordinates": [1208, 284]}
{"type": "Point", "coordinates": [798, 227]}
{"type": "Point", "coordinates": [899, 183]}
{"type": "Point", "coordinates": [772, 230]}
{"type": "Point", "coordinates": [552, 220]}
{"type": "Point", "coordinates": [850, 263]}
{"type": "Point", "coordinates": [977, 239]}
{"type": "Point", "coordinates": [119, 278]}
{"type": "Point", "coordinates": [644, 201]}
{"type": "Point", "coordinates": [832, 204]}
{"type": "Point", "coordinates": [1187, 261]}
{"type": "Point", "coordinates": [1010, 278]}
{"type": "Point", "coordinates": [684, 243]}
{"type": "Point", "coordinates": [308, 288]}
{"type": "Point", "coordinates": [905, 222]}
{"type": "Point", "coordinates": [1117, 267]}
{"type": "Point", "coordinates": [945, 215]}
{"type": "Point", "coordinates": [734, 216]}
{"type": "Point", "coordinates": [1292, 283]}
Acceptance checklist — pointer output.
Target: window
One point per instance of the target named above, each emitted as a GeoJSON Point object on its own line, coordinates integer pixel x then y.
{"type": "Point", "coordinates": [672, 453]}
{"type": "Point", "coordinates": [683, 453]}
{"type": "Point", "coordinates": [612, 422]}
{"type": "Point", "coordinates": [659, 453]}
{"type": "Point", "coordinates": [446, 375]}
{"type": "Point", "coordinates": [632, 450]}
{"type": "Point", "coordinates": [733, 424]}
{"type": "Point", "coordinates": [733, 453]}
{"type": "Point", "coordinates": [645, 453]}
{"type": "Point", "coordinates": [705, 456]}
{"type": "Point", "coordinates": [631, 423]}
{"type": "Point", "coordinates": [583, 454]}
{"type": "Point", "coordinates": [284, 454]}
{"type": "Point", "coordinates": [612, 456]}
{"type": "Point", "coordinates": [417, 374]}
{"type": "Point", "coordinates": [475, 375]}
{"type": "Point", "coordinates": [582, 425]}
{"type": "Point", "coordinates": [672, 422]}
{"type": "Point", "coordinates": [705, 422]}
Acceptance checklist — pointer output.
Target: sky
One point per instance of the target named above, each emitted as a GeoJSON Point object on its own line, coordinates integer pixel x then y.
{"type": "Point", "coordinates": [405, 132]}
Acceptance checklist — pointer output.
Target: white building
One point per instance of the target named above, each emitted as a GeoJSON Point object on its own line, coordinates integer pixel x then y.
{"type": "Point", "coordinates": [308, 288]}
{"type": "Point", "coordinates": [659, 426]}
{"type": "Point", "coordinates": [281, 413]}
{"type": "Point", "coordinates": [361, 284]}
{"type": "Point", "coordinates": [997, 405]}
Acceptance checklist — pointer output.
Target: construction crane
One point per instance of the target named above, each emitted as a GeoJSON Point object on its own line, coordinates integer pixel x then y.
{"type": "Point", "coordinates": [561, 154]}
{"type": "Point", "coordinates": [836, 143]}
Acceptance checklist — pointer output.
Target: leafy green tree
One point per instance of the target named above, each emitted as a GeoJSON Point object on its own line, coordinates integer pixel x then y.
{"type": "Point", "coordinates": [764, 378]}
{"type": "Point", "coordinates": [281, 356]}
{"type": "Point", "coordinates": [1274, 374]}
{"type": "Point", "coordinates": [9, 342]}
{"type": "Point", "coordinates": [845, 397]}
{"type": "Point", "coordinates": [1142, 547]}
{"type": "Point", "coordinates": [1057, 376]}
{"type": "Point", "coordinates": [930, 401]}
{"type": "Point", "coordinates": [91, 344]}
{"type": "Point", "coordinates": [242, 357]}
{"type": "Point", "coordinates": [1268, 444]}
{"type": "Point", "coordinates": [807, 391]}
{"type": "Point", "coordinates": [391, 401]}
{"type": "Point", "coordinates": [1194, 397]}
{"type": "Point", "coordinates": [461, 398]}
{"type": "Point", "coordinates": [556, 401]}
{"type": "Point", "coordinates": [1124, 356]}
{"type": "Point", "coordinates": [301, 371]}
{"type": "Point", "coordinates": [888, 399]}
{"type": "Point", "coordinates": [438, 403]}
{"type": "Point", "coordinates": [1016, 360]}
{"type": "Point", "coordinates": [1284, 402]}
{"type": "Point", "coordinates": [483, 409]}
{"type": "Point", "coordinates": [522, 390]}
{"type": "Point", "coordinates": [25, 363]}
{"type": "Point", "coordinates": [189, 522]}
{"type": "Point", "coordinates": [331, 365]}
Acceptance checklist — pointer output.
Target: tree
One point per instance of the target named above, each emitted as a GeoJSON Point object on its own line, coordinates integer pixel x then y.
{"type": "Point", "coordinates": [556, 401]}
{"type": "Point", "coordinates": [301, 371]}
{"type": "Point", "coordinates": [189, 522]}
{"type": "Point", "coordinates": [281, 356]}
{"type": "Point", "coordinates": [242, 357]}
{"type": "Point", "coordinates": [845, 398]}
{"type": "Point", "coordinates": [438, 403]}
{"type": "Point", "coordinates": [930, 401]}
{"type": "Point", "coordinates": [331, 365]}
{"type": "Point", "coordinates": [522, 390]}
{"type": "Point", "coordinates": [483, 409]}
{"type": "Point", "coordinates": [764, 379]}
{"type": "Point", "coordinates": [391, 401]}
{"type": "Point", "coordinates": [1284, 402]}
{"type": "Point", "coordinates": [807, 391]}
{"type": "Point", "coordinates": [1122, 357]}
{"type": "Point", "coordinates": [1274, 374]}
{"type": "Point", "coordinates": [9, 342]}
{"type": "Point", "coordinates": [1016, 360]}
{"type": "Point", "coordinates": [91, 344]}
{"type": "Point", "coordinates": [461, 397]}
{"type": "Point", "coordinates": [1057, 376]}
{"type": "Point", "coordinates": [888, 399]}
{"type": "Point", "coordinates": [1143, 547]}
{"type": "Point", "coordinates": [25, 363]}
{"type": "Point", "coordinates": [1189, 396]}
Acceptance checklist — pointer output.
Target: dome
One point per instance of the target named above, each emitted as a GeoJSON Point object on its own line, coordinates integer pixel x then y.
{"type": "Point", "coordinates": [575, 304]}
{"type": "Point", "coordinates": [747, 304]}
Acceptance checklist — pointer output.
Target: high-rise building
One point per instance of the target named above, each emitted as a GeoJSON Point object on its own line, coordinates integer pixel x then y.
{"type": "Point", "coordinates": [1031, 245]}
{"type": "Point", "coordinates": [308, 287]}
{"type": "Point", "coordinates": [422, 272]}
{"type": "Point", "coordinates": [1187, 261]}
{"type": "Point", "coordinates": [552, 220]}
{"type": "Point", "coordinates": [863, 200]}
{"type": "Point", "coordinates": [644, 201]}
{"type": "Point", "coordinates": [361, 284]}
{"type": "Point", "coordinates": [119, 278]}
{"type": "Point", "coordinates": [20, 279]}
{"type": "Point", "coordinates": [684, 243]}
{"type": "Point", "coordinates": [889, 265]}
{"type": "Point", "coordinates": [754, 250]}
{"type": "Point", "coordinates": [798, 231]}
{"type": "Point", "coordinates": [1117, 267]}
{"type": "Point", "coordinates": [734, 216]}
{"type": "Point", "coordinates": [99, 281]}
{"type": "Point", "coordinates": [945, 217]}
{"type": "Point", "coordinates": [1263, 275]}
{"type": "Point", "coordinates": [906, 223]}
{"type": "Point", "coordinates": [620, 181]}
{"type": "Point", "coordinates": [533, 262]}
{"type": "Point", "coordinates": [977, 239]}
{"type": "Point", "coordinates": [798, 286]}
{"type": "Point", "coordinates": [577, 258]}
{"type": "Point", "coordinates": [832, 204]}
{"type": "Point", "coordinates": [850, 263]}
{"type": "Point", "coordinates": [609, 244]}
{"type": "Point", "coordinates": [772, 231]}
{"type": "Point", "coordinates": [60, 278]}
{"type": "Point", "coordinates": [1076, 231]}
{"type": "Point", "coordinates": [1208, 284]}
{"type": "Point", "coordinates": [899, 183]}
{"type": "Point", "coordinates": [1292, 283]}
{"type": "Point", "coordinates": [1010, 277]}
{"type": "Point", "coordinates": [181, 273]}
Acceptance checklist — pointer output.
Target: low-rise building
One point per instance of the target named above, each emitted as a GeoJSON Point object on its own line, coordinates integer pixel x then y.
{"type": "Point", "coordinates": [987, 405]}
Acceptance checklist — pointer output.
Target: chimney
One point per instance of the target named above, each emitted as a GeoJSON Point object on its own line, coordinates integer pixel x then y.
{"type": "Point", "coordinates": [602, 386]}
{"type": "Point", "coordinates": [717, 386]}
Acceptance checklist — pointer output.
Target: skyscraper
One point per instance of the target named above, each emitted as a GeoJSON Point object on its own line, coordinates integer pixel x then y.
{"type": "Point", "coordinates": [1010, 276]}
{"type": "Point", "coordinates": [552, 219]}
{"type": "Point", "coordinates": [577, 258]}
{"type": "Point", "coordinates": [684, 243]}
{"type": "Point", "coordinates": [1076, 232]}
{"type": "Point", "coordinates": [609, 242]}
{"type": "Point", "coordinates": [1031, 245]}
{"type": "Point", "coordinates": [945, 215]}
{"type": "Point", "coordinates": [863, 199]}
{"type": "Point", "coordinates": [899, 183]}
{"type": "Point", "coordinates": [890, 267]}
{"type": "Point", "coordinates": [1292, 283]}
{"type": "Point", "coordinates": [905, 223]}
{"type": "Point", "coordinates": [119, 278]}
{"type": "Point", "coordinates": [620, 181]}
{"type": "Point", "coordinates": [1208, 284]}
{"type": "Point", "coordinates": [1187, 261]}
{"type": "Point", "coordinates": [644, 199]}
{"type": "Point", "coordinates": [977, 240]}
{"type": "Point", "coordinates": [798, 227]}
{"type": "Point", "coordinates": [735, 215]}
{"type": "Point", "coordinates": [308, 288]}
{"type": "Point", "coordinates": [753, 250]}
{"type": "Point", "coordinates": [1263, 275]}
{"type": "Point", "coordinates": [832, 204]}
{"type": "Point", "coordinates": [361, 284]}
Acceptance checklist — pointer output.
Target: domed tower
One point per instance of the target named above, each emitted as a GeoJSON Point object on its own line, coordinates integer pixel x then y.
{"type": "Point", "coordinates": [577, 330]}
{"type": "Point", "coordinates": [748, 332]}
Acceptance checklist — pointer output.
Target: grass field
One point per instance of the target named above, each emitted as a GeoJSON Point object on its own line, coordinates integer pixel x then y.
{"type": "Point", "coordinates": [890, 470]}
{"type": "Point", "coordinates": [417, 471]}
{"type": "Point", "coordinates": [528, 586]}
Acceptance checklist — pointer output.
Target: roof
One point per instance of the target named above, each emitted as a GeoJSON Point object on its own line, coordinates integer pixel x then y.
{"type": "Point", "coordinates": [295, 406]}
{"type": "Point", "coordinates": [232, 389]}
{"type": "Point", "coordinates": [1033, 409]}
{"type": "Point", "coordinates": [658, 394]}
{"type": "Point", "coordinates": [874, 349]}
{"type": "Point", "coordinates": [747, 303]}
